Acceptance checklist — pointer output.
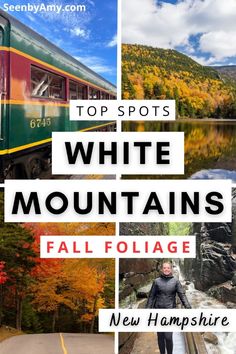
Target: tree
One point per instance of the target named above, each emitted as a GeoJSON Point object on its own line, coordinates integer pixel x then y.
{"type": "Point", "coordinates": [3, 279]}
{"type": "Point", "coordinates": [18, 257]}
{"type": "Point", "coordinates": [81, 286]}
{"type": "Point", "coordinates": [3, 275]}
{"type": "Point", "coordinates": [157, 90]}
{"type": "Point", "coordinates": [179, 228]}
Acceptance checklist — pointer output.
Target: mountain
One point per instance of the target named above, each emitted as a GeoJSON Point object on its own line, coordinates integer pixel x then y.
{"type": "Point", "coordinates": [155, 73]}
{"type": "Point", "coordinates": [227, 72]}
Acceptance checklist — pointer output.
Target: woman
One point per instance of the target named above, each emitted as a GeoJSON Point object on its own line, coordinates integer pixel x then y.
{"type": "Point", "coordinates": [163, 296]}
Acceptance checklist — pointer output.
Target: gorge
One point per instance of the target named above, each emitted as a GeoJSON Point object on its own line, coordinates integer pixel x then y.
{"type": "Point", "coordinates": [209, 279]}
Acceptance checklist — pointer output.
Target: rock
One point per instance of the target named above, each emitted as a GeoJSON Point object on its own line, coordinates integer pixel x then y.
{"type": "Point", "coordinates": [224, 292]}
{"type": "Point", "coordinates": [135, 274]}
{"type": "Point", "coordinates": [128, 275]}
{"type": "Point", "coordinates": [213, 264]}
{"type": "Point", "coordinates": [217, 266]}
{"type": "Point", "coordinates": [230, 305]}
{"type": "Point", "coordinates": [144, 291]}
{"type": "Point", "coordinates": [138, 265]}
{"type": "Point", "coordinates": [233, 280]}
{"type": "Point", "coordinates": [210, 338]}
{"type": "Point", "coordinates": [125, 291]}
{"type": "Point", "coordinates": [135, 281]}
{"type": "Point", "coordinates": [220, 233]}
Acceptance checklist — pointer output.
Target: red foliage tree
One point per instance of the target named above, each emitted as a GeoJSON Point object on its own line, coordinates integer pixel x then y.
{"type": "Point", "coordinates": [3, 275]}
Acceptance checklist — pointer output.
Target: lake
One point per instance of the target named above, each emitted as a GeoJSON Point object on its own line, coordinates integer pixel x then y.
{"type": "Point", "coordinates": [210, 146]}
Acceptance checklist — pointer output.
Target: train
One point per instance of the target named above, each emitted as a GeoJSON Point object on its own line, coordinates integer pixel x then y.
{"type": "Point", "coordinates": [37, 81]}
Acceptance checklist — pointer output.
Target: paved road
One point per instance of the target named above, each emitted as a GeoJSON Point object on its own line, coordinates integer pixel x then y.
{"type": "Point", "coordinates": [58, 343]}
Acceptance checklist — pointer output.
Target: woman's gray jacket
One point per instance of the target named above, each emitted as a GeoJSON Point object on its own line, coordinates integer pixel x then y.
{"type": "Point", "coordinates": [163, 293]}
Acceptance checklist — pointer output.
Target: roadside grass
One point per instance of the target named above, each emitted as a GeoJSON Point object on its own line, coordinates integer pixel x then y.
{"type": "Point", "coordinates": [7, 332]}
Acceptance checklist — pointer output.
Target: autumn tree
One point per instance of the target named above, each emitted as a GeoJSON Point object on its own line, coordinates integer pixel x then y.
{"type": "Point", "coordinates": [18, 257]}
{"type": "Point", "coordinates": [81, 286]}
{"type": "Point", "coordinates": [3, 279]}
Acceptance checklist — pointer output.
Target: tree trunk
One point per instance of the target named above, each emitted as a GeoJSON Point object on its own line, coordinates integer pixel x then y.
{"type": "Point", "coordinates": [54, 318]}
{"type": "Point", "coordinates": [18, 311]}
{"type": "Point", "coordinates": [94, 314]}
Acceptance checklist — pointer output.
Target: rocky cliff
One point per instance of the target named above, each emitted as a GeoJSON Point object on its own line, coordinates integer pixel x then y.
{"type": "Point", "coordinates": [215, 263]}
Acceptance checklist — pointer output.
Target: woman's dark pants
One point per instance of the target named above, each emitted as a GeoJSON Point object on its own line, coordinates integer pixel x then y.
{"type": "Point", "coordinates": [165, 342]}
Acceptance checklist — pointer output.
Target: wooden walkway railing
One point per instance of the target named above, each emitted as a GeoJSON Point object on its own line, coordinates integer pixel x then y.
{"type": "Point", "coordinates": [195, 343]}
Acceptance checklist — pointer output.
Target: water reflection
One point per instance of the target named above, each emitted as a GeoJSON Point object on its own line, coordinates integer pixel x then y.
{"type": "Point", "coordinates": [208, 144]}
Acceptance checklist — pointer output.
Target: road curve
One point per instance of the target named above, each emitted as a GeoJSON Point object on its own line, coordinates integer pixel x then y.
{"type": "Point", "coordinates": [58, 343]}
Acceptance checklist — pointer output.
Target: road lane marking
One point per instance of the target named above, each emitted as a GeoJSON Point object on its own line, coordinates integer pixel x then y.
{"type": "Point", "coordinates": [63, 344]}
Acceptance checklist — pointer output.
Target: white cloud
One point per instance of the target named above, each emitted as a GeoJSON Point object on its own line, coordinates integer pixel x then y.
{"type": "Point", "coordinates": [113, 41]}
{"type": "Point", "coordinates": [203, 61]}
{"type": "Point", "coordinates": [80, 32]}
{"type": "Point", "coordinates": [69, 19]}
{"type": "Point", "coordinates": [166, 25]}
{"type": "Point", "coordinates": [30, 17]}
{"type": "Point", "coordinates": [91, 2]}
{"type": "Point", "coordinates": [221, 44]}
{"type": "Point", "coordinates": [97, 64]}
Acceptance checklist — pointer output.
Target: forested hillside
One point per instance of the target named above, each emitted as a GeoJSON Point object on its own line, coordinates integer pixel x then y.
{"type": "Point", "coordinates": [154, 73]}
{"type": "Point", "coordinates": [48, 295]}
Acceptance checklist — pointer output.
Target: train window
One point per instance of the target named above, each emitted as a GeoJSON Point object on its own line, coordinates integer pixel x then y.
{"type": "Point", "coordinates": [103, 95]}
{"type": "Point", "coordinates": [77, 91]}
{"type": "Point", "coordinates": [46, 84]}
{"type": "Point", "coordinates": [94, 94]}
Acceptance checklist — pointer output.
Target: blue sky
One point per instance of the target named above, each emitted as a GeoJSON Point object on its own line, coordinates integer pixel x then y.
{"type": "Point", "coordinates": [203, 29]}
{"type": "Point", "coordinates": [89, 36]}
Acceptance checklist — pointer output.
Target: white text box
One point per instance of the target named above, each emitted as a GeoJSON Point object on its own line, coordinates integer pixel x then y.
{"type": "Point", "coordinates": [167, 320]}
{"type": "Point", "coordinates": [122, 246]}
{"type": "Point", "coordinates": [122, 110]}
{"type": "Point", "coordinates": [132, 153]}
{"type": "Point", "coordinates": [118, 200]}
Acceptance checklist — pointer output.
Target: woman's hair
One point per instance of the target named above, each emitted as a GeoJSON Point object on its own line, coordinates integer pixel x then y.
{"type": "Point", "coordinates": [167, 262]}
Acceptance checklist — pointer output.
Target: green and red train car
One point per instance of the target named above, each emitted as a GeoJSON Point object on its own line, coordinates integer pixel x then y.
{"type": "Point", "coordinates": [37, 80]}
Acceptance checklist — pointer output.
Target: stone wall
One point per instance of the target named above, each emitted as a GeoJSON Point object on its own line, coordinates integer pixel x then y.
{"type": "Point", "coordinates": [135, 273]}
